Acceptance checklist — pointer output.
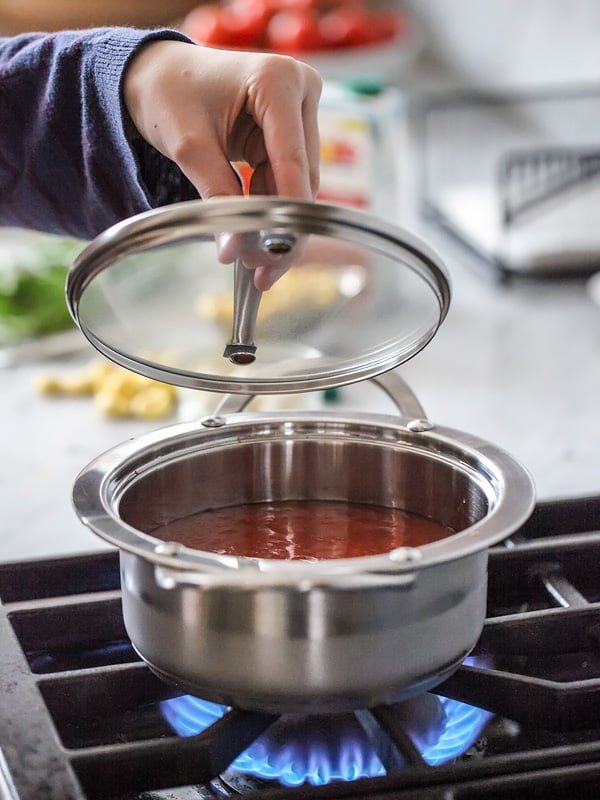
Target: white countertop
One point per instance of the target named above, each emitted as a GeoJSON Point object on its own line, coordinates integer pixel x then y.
{"type": "Point", "coordinates": [518, 365]}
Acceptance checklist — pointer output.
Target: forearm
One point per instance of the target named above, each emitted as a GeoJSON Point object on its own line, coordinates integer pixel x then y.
{"type": "Point", "coordinates": [70, 160]}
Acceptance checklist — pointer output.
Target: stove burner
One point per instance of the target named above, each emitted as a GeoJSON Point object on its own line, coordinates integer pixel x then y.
{"type": "Point", "coordinates": [81, 715]}
{"type": "Point", "coordinates": [320, 749]}
{"type": "Point", "coordinates": [294, 750]}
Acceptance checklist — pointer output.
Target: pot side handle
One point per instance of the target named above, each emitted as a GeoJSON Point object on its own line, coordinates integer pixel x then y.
{"type": "Point", "coordinates": [172, 579]}
{"type": "Point", "coordinates": [390, 382]}
{"type": "Point", "coordinates": [402, 395]}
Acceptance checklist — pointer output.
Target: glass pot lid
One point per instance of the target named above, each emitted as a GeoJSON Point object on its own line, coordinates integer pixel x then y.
{"type": "Point", "coordinates": [171, 294]}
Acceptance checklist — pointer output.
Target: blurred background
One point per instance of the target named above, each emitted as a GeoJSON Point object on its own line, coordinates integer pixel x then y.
{"type": "Point", "coordinates": [32, 15]}
{"type": "Point", "coordinates": [464, 41]}
{"type": "Point", "coordinates": [473, 124]}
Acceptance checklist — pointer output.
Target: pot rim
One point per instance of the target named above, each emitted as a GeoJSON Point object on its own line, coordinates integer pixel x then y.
{"type": "Point", "coordinates": [507, 485]}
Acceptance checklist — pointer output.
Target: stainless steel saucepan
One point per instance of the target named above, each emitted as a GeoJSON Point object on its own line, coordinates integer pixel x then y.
{"type": "Point", "coordinates": [288, 635]}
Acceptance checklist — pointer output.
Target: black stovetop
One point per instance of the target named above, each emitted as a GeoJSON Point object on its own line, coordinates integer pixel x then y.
{"type": "Point", "coordinates": [80, 714]}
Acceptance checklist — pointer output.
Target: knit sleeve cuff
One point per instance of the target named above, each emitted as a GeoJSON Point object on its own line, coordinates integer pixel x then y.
{"type": "Point", "coordinates": [160, 181]}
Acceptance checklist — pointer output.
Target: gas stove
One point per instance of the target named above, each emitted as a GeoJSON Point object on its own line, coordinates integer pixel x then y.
{"type": "Point", "coordinates": [82, 718]}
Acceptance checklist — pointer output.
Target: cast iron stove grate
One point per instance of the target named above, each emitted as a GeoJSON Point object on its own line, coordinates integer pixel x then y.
{"type": "Point", "coordinates": [80, 716]}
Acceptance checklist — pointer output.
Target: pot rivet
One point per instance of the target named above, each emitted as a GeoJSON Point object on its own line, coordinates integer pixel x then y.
{"type": "Point", "coordinates": [167, 549]}
{"type": "Point", "coordinates": [420, 425]}
{"type": "Point", "coordinates": [212, 422]}
{"type": "Point", "coordinates": [405, 554]}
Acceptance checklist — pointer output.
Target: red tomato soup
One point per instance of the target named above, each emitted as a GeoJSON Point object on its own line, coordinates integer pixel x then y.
{"type": "Point", "coordinates": [305, 530]}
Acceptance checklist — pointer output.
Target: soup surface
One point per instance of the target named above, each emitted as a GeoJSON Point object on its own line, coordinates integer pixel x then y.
{"type": "Point", "coordinates": [308, 530]}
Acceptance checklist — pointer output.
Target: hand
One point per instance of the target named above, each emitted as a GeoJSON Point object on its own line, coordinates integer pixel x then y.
{"type": "Point", "coordinates": [205, 108]}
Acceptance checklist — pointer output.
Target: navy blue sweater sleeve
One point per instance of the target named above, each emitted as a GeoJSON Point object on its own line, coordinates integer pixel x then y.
{"type": "Point", "coordinates": [71, 161]}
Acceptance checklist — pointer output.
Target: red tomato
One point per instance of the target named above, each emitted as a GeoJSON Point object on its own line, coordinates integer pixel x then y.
{"type": "Point", "coordinates": [280, 5]}
{"type": "Point", "coordinates": [345, 26]}
{"type": "Point", "coordinates": [204, 24]}
{"type": "Point", "coordinates": [245, 22]}
{"type": "Point", "coordinates": [294, 31]}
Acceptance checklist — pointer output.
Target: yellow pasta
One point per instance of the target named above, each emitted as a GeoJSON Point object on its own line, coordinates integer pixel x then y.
{"type": "Point", "coordinates": [116, 392]}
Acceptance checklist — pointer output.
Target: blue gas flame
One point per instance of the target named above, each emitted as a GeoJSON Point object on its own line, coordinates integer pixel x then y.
{"type": "Point", "coordinates": [328, 755]}
{"type": "Point", "coordinates": [463, 725]}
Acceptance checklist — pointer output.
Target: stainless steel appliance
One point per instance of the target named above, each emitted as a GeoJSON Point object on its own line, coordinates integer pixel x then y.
{"type": "Point", "coordinates": [513, 176]}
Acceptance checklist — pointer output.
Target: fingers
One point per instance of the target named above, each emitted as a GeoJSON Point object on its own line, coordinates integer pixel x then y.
{"type": "Point", "coordinates": [204, 108]}
{"type": "Point", "coordinates": [250, 248]}
{"type": "Point", "coordinates": [253, 250]}
{"type": "Point", "coordinates": [283, 147]}
{"type": "Point", "coordinates": [310, 109]}
{"type": "Point", "coordinates": [265, 277]}
{"type": "Point", "coordinates": [285, 106]}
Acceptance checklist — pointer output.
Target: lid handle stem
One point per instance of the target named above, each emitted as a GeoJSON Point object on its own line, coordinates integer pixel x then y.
{"type": "Point", "coordinates": [241, 348]}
